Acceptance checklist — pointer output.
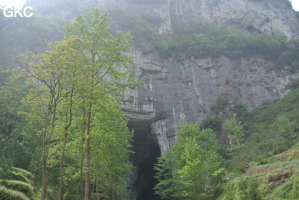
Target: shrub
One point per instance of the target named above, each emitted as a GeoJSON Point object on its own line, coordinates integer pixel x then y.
{"type": "Point", "coordinates": [19, 177]}
{"type": "Point", "coordinates": [261, 160]}
{"type": "Point", "coordinates": [294, 83]}
{"type": "Point", "coordinates": [246, 189]}
{"type": "Point", "coordinates": [222, 101]}
{"type": "Point", "coordinates": [295, 191]}
{"type": "Point", "coordinates": [212, 123]}
{"type": "Point", "coordinates": [18, 186]}
{"type": "Point", "coordinates": [23, 172]}
{"type": "Point", "coordinates": [8, 194]}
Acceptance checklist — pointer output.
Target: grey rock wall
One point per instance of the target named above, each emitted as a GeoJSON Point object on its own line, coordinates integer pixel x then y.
{"type": "Point", "coordinates": [180, 87]}
{"type": "Point", "coordinates": [256, 16]}
{"type": "Point", "coordinates": [183, 88]}
{"type": "Point", "coordinates": [245, 15]}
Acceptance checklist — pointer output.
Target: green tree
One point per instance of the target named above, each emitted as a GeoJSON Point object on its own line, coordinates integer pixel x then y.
{"type": "Point", "coordinates": [236, 133]}
{"type": "Point", "coordinates": [15, 146]}
{"type": "Point", "coordinates": [284, 126]}
{"type": "Point", "coordinates": [186, 170]}
{"type": "Point", "coordinates": [164, 173]}
{"type": "Point", "coordinates": [51, 74]}
{"type": "Point", "coordinates": [105, 72]}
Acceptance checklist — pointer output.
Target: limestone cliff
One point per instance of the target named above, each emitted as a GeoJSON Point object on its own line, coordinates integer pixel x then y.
{"type": "Point", "coordinates": [181, 87]}
{"type": "Point", "coordinates": [245, 15]}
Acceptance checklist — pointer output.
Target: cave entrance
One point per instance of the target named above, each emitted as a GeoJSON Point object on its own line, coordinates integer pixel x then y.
{"type": "Point", "coordinates": [147, 151]}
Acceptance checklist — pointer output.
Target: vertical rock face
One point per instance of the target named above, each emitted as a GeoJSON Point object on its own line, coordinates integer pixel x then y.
{"type": "Point", "coordinates": [256, 16]}
{"type": "Point", "coordinates": [181, 88]}
{"type": "Point", "coordinates": [245, 15]}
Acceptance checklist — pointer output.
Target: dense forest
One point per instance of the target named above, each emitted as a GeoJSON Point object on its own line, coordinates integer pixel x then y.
{"type": "Point", "coordinates": [64, 136]}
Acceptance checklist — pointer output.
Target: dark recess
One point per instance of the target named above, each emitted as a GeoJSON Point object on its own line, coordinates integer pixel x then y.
{"type": "Point", "coordinates": [146, 151]}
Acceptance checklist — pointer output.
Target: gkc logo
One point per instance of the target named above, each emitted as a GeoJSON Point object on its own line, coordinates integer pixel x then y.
{"type": "Point", "coordinates": [15, 12]}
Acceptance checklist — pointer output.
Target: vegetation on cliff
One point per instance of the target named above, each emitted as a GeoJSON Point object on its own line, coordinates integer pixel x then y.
{"type": "Point", "coordinates": [64, 123]}
{"type": "Point", "coordinates": [186, 170]}
{"type": "Point", "coordinates": [78, 131]}
{"type": "Point", "coordinates": [266, 165]}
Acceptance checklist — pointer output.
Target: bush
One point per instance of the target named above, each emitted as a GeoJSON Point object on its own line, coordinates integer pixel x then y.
{"type": "Point", "coordinates": [8, 194]}
{"type": "Point", "coordinates": [294, 83]}
{"type": "Point", "coordinates": [18, 186]}
{"type": "Point", "coordinates": [295, 191]}
{"type": "Point", "coordinates": [246, 189]}
{"type": "Point", "coordinates": [261, 160]}
{"type": "Point", "coordinates": [23, 172]}
{"type": "Point", "coordinates": [212, 123]}
{"type": "Point", "coordinates": [141, 28]}
{"type": "Point", "coordinates": [222, 101]}
{"type": "Point", "coordinates": [21, 175]}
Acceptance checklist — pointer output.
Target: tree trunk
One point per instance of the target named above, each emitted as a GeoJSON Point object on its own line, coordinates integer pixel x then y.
{"type": "Point", "coordinates": [45, 178]}
{"type": "Point", "coordinates": [47, 135]}
{"type": "Point", "coordinates": [87, 181]}
{"type": "Point", "coordinates": [69, 123]}
{"type": "Point", "coordinates": [61, 180]}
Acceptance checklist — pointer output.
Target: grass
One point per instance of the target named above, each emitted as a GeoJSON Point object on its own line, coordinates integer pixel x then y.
{"type": "Point", "coordinates": [278, 179]}
{"type": "Point", "coordinates": [272, 154]}
{"type": "Point", "coordinates": [262, 131]}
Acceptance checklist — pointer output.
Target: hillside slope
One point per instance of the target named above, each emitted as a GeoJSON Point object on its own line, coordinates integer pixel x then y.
{"type": "Point", "coordinates": [277, 179]}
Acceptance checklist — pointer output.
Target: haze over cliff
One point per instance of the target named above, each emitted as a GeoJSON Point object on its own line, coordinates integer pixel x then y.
{"type": "Point", "coordinates": [182, 86]}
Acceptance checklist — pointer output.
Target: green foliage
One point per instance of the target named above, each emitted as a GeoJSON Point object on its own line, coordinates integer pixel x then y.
{"type": "Point", "coordinates": [213, 123]}
{"type": "Point", "coordinates": [23, 172]}
{"type": "Point", "coordinates": [164, 167]}
{"type": "Point", "coordinates": [98, 88]}
{"type": "Point", "coordinates": [11, 194]}
{"type": "Point", "coordinates": [80, 106]}
{"type": "Point", "coordinates": [222, 101]}
{"type": "Point", "coordinates": [294, 83]}
{"type": "Point", "coordinates": [20, 177]}
{"type": "Point", "coordinates": [247, 189]}
{"type": "Point", "coordinates": [295, 187]}
{"type": "Point", "coordinates": [15, 144]}
{"type": "Point", "coordinates": [236, 133]}
{"type": "Point", "coordinates": [26, 31]}
{"type": "Point", "coordinates": [25, 188]}
{"type": "Point", "coordinates": [263, 137]}
{"type": "Point", "coordinates": [279, 181]}
{"type": "Point", "coordinates": [284, 126]}
{"type": "Point", "coordinates": [186, 170]}
{"type": "Point", "coordinates": [200, 39]}
{"type": "Point", "coordinates": [11, 188]}
{"type": "Point", "coordinates": [110, 156]}
{"type": "Point", "coordinates": [261, 160]}
{"type": "Point", "coordinates": [141, 28]}
{"type": "Point", "coordinates": [20, 34]}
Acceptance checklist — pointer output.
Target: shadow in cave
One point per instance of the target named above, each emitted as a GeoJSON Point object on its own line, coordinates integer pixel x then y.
{"type": "Point", "coordinates": [147, 151]}
{"type": "Point", "coordinates": [146, 169]}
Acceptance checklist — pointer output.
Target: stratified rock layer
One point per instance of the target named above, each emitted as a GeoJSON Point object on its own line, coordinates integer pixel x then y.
{"type": "Point", "coordinates": [183, 88]}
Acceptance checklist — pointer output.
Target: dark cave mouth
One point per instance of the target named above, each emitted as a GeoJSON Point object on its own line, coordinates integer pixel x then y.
{"type": "Point", "coordinates": [147, 151]}
{"type": "Point", "coordinates": [147, 172]}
